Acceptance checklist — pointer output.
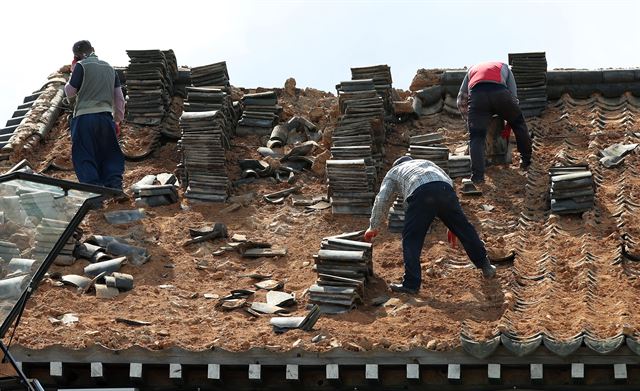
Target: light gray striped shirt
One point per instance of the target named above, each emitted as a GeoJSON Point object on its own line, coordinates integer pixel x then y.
{"type": "Point", "coordinates": [404, 179]}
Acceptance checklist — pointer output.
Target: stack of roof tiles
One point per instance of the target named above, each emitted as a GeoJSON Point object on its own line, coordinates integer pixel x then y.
{"type": "Point", "coordinates": [438, 155]}
{"type": "Point", "coordinates": [148, 86]}
{"type": "Point", "coordinates": [431, 147]}
{"type": "Point", "coordinates": [530, 72]}
{"type": "Point", "coordinates": [343, 265]}
{"type": "Point", "coordinates": [459, 166]}
{"type": "Point", "coordinates": [381, 77]}
{"type": "Point", "coordinates": [396, 215]}
{"type": "Point", "coordinates": [259, 113]}
{"type": "Point", "coordinates": [207, 124]}
{"type": "Point", "coordinates": [357, 148]}
{"type": "Point", "coordinates": [572, 189]}
{"type": "Point", "coordinates": [351, 186]}
{"type": "Point", "coordinates": [211, 75]}
{"type": "Point", "coordinates": [205, 136]}
{"type": "Point", "coordinates": [48, 231]}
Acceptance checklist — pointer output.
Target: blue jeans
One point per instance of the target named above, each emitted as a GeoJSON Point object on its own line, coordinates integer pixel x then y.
{"type": "Point", "coordinates": [486, 99]}
{"type": "Point", "coordinates": [435, 199]}
{"type": "Point", "coordinates": [95, 152]}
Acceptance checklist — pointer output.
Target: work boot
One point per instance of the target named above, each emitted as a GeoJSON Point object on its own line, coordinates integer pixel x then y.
{"type": "Point", "coordinates": [399, 288]}
{"type": "Point", "coordinates": [524, 165]}
{"type": "Point", "coordinates": [488, 271]}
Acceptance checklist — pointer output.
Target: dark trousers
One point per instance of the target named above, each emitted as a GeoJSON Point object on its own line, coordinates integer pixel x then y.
{"type": "Point", "coordinates": [95, 152]}
{"type": "Point", "coordinates": [485, 100]}
{"type": "Point", "coordinates": [435, 199]}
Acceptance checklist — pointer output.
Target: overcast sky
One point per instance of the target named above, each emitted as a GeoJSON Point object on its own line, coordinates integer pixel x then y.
{"type": "Point", "coordinates": [265, 42]}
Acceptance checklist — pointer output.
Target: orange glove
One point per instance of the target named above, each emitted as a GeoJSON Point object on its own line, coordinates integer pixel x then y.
{"type": "Point", "coordinates": [452, 239]}
{"type": "Point", "coordinates": [506, 131]}
{"type": "Point", "coordinates": [117, 129]}
{"type": "Point", "coordinates": [370, 234]}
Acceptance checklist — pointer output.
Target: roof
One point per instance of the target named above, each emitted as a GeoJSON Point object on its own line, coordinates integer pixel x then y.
{"type": "Point", "coordinates": [568, 270]}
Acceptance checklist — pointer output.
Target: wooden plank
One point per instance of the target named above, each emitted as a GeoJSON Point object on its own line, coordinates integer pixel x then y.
{"type": "Point", "coordinates": [254, 372]}
{"type": "Point", "coordinates": [332, 372]}
{"type": "Point", "coordinates": [135, 371]}
{"type": "Point", "coordinates": [454, 373]}
{"type": "Point", "coordinates": [213, 371]}
{"type": "Point", "coordinates": [175, 371]}
{"type": "Point", "coordinates": [493, 372]}
{"type": "Point", "coordinates": [620, 372]}
{"type": "Point", "coordinates": [537, 372]}
{"type": "Point", "coordinates": [371, 371]}
{"type": "Point", "coordinates": [577, 372]}
{"type": "Point", "coordinates": [292, 372]}
{"type": "Point", "coordinates": [97, 371]}
{"type": "Point", "coordinates": [55, 369]}
{"type": "Point", "coordinates": [413, 371]}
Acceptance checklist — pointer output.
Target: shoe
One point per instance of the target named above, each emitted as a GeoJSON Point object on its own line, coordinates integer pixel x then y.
{"type": "Point", "coordinates": [525, 165]}
{"type": "Point", "coordinates": [488, 271]}
{"type": "Point", "coordinates": [399, 288]}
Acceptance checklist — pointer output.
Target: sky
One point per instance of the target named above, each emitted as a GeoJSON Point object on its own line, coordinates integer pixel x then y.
{"type": "Point", "coordinates": [316, 42]}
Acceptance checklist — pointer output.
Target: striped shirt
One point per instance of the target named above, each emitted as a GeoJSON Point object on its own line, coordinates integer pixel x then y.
{"type": "Point", "coordinates": [404, 179]}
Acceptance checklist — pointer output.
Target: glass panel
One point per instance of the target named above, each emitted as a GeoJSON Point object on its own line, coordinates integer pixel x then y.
{"type": "Point", "coordinates": [33, 216]}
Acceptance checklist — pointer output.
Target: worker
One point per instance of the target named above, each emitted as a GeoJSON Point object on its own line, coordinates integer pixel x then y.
{"type": "Point", "coordinates": [428, 193]}
{"type": "Point", "coordinates": [95, 126]}
{"type": "Point", "coordinates": [490, 88]}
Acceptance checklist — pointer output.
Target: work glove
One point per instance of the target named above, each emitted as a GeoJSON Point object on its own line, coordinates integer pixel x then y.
{"type": "Point", "coordinates": [370, 234]}
{"type": "Point", "coordinates": [118, 129]}
{"type": "Point", "coordinates": [506, 131]}
{"type": "Point", "coordinates": [452, 239]}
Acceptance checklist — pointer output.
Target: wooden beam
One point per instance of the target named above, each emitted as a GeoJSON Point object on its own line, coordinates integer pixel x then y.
{"type": "Point", "coordinates": [175, 372]}
{"type": "Point", "coordinates": [213, 372]}
{"type": "Point", "coordinates": [620, 372]}
{"type": "Point", "coordinates": [493, 373]}
{"type": "Point", "coordinates": [577, 372]}
{"type": "Point", "coordinates": [292, 372]}
{"type": "Point", "coordinates": [97, 372]}
{"type": "Point", "coordinates": [55, 370]}
{"type": "Point", "coordinates": [371, 372]}
{"type": "Point", "coordinates": [255, 372]}
{"type": "Point", "coordinates": [135, 371]}
{"type": "Point", "coordinates": [332, 372]}
{"type": "Point", "coordinates": [453, 373]}
{"type": "Point", "coordinates": [537, 373]}
{"type": "Point", "coordinates": [413, 371]}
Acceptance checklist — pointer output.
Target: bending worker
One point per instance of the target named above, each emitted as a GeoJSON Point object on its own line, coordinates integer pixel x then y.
{"type": "Point", "coordinates": [99, 109]}
{"type": "Point", "coordinates": [428, 192]}
{"type": "Point", "coordinates": [489, 88]}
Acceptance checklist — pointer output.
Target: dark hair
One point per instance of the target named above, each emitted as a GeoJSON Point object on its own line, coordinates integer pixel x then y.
{"type": "Point", "coordinates": [82, 47]}
{"type": "Point", "coordinates": [401, 160]}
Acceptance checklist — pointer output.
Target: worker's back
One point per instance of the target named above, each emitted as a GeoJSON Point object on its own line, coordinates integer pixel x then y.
{"type": "Point", "coordinates": [96, 91]}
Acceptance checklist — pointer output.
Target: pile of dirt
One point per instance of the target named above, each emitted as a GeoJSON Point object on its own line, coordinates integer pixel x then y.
{"type": "Point", "coordinates": [552, 286]}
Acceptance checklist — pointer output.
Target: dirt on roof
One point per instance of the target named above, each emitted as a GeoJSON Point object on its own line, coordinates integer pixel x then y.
{"type": "Point", "coordinates": [566, 278]}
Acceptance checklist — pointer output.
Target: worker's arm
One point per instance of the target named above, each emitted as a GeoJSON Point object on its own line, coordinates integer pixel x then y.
{"type": "Point", "coordinates": [118, 101]}
{"type": "Point", "coordinates": [382, 203]}
{"type": "Point", "coordinates": [511, 84]}
{"type": "Point", "coordinates": [463, 96]}
{"type": "Point", "coordinates": [75, 82]}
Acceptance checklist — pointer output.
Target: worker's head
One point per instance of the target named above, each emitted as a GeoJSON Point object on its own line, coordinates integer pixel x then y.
{"type": "Point", "coordinates": [401, 160]}
{"type": "Point", "coordinates": [82, 49]}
